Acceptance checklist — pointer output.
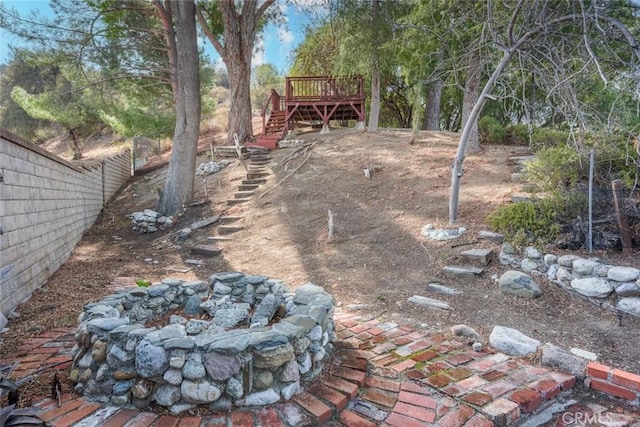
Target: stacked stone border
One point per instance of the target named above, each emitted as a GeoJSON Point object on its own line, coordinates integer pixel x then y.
{"type": "Point", "coordinates": [371, 383]}
{"type": "Point", "coordinates": [235, 359]}
{"type": "Point", "coordinates": [590, 278]}
{"type": "Point", "coordinates": [48, 203]}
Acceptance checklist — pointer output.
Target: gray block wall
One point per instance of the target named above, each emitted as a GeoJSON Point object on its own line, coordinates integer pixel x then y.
{"type": "Point", "coordinates": [46, 204]}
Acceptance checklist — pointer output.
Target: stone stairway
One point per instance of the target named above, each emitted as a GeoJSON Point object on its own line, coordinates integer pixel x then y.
{"type": "Point", "coordinates": [258, 171]}
{"type": "Point", "coordinates": [475, 259]}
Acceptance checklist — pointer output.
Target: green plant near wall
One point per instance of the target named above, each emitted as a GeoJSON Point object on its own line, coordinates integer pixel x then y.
{"type": "Point", "coordinates": [143, 283]}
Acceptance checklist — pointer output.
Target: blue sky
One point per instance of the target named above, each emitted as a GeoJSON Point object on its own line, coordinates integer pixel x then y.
{"type": "Point", "coordinates": [275, 47]}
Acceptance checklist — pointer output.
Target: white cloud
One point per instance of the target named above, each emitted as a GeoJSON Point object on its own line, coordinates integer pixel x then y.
{"type": "Point", "coordinates": [258, 53]}
{"type": "Point", "coordinates": [285, 36]}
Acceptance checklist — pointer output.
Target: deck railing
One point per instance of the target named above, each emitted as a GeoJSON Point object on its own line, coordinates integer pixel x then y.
{"type": "Point", "coordinates": [317, 88]}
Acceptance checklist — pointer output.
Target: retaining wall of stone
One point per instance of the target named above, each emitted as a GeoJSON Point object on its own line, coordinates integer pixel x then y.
{"type": "Point", "coordinates": [46, 204]}
{"type": "Point", "coordinates": [590, 278]}
{"type": "Point", "coordinates": [259, 342]}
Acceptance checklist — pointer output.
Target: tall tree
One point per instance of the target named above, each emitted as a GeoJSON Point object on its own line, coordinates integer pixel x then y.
{"type": "Point", "coordinates": [232, 26]}
{"type": "Point", "coordinates": [178, 187]}
{"type": "Point", "coordinates": [374, 108]}
{"type": "Point", "coordinates": [537, 28]}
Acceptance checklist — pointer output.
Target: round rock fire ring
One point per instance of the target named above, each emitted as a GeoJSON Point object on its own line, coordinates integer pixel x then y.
{"type": "Point", "coordinates": [239, 340]}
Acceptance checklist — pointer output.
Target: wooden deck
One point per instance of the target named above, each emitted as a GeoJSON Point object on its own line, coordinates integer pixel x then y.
{"type": "Point", "coordinates": [314, 99]}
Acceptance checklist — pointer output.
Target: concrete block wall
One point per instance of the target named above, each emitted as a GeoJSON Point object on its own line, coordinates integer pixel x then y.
{"type": "Point", "coordinates": [46, 204]}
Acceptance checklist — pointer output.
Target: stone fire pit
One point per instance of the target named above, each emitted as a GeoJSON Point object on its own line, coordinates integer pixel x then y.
{"type": "Point", "coordinates": [241, 340]}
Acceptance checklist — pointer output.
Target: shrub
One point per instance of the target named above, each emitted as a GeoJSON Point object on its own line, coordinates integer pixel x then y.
{"type": "Point", "coordinates": [554, 169]}
{"type": "Point", "coordinates": [491, 131]}
{"type": "Point", "coordinates": [516, 134]}
{"type": "Point", "coordinates": [547, 137]}
{"type": "Point", "coordinates": [536, 222]}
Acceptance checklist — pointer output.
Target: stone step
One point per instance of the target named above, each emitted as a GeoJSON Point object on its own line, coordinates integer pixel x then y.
{"type": "Point", "coordinates": [248, 187]}
{"type": "Point", "coordinates": [259, 162]}
{"type": "Point", "coordinates": [478, 256]}
{"type": "Point", "coordinates": [219, 239]}
{"type": "Point", "coordinates": [229, 229]}
{"type": "Point", "coordinates": [260, 157]}
{"type": "Point", "coordinates": [232, 202]}
{"type": "Point", "coordinates": [257, 168]}
{"type": "Point", "coordinates": [243, 194]}
{"type": "Point", "coordinates": [462, 272]}
{"type": "Point", "coordinates": [224, 220]}
{"type": "Point", "coordinates": [490, 235]}
{"type": "Point", "coordinates": [254, 181]}
{"type": "Point", "coordinates": [204, 222]}
{"type": "Point", "coordinates": [206, 250]}
{"type": "Point", "coordinates": [257, 175]}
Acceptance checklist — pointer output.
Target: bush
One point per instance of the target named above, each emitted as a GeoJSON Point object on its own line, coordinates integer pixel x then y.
{"type": "Point", "coordinates": [491, 131]}
{"type": "Point", "coordinates": [548, 137]}
{"type": "Point", "coordinates": [554, 169]}
{"type": "Point", "coordinates": [516, 134]}
{"type": "Point", "coordinates": [537, 222]}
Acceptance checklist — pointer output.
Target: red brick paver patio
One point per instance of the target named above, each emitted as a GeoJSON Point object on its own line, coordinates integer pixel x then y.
{"type": "Point", "coordinates": [385, 375]}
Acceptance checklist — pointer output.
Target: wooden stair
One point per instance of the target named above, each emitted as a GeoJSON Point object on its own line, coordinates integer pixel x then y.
{"type": "Point", "coordinates": [274, 131]}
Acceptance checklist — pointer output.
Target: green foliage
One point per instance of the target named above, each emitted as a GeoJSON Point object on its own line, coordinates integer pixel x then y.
{"type": "Point", "coordinates": [537, 222]}
{"type": "Point", "coordinates": [318, 53]}
{"type": "Point", "coordinates": [544, 137]}
{"type": "Point", "coordinates": [491, 131]}
{"type": "Point", "coordinates": [265, 77]}
{"type": "Point", "coordinates": [554, 168]}
{"type": "Point", "coordinates": [517, 134]}
{"type": "Point", "coordinates": [526, 223]}
{"type": "Point", "coordinates": [143, 283]}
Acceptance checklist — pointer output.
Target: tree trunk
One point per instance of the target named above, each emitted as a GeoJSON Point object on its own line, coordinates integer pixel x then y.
{"type": "Point", "coordinates": [374, 114]}
{"type": "Point", "coordinates": [75, 144]}
{"type": "Point", "coordinates": [456, 170]}
{"type": "Point", "coordinates": [471, 91]}
{"type": "Point", "coordinates": [235, 46]}
{"type": "Point", "coordinates": [178, 187]}
{"type": "Point", "coordinates": [240, 101]}
{"type": "Point", "coordinates": [432, 109]}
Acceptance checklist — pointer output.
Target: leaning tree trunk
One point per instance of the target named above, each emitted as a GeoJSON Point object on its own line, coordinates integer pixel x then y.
{"type": "Point", "coordinates": [178, 187]}
{"type": "Point", "coordinates": [471, 92]}
{"type": "Point", "coordinates": [456, 170]}
{"type": "Point", "coordinates": [432, 109]}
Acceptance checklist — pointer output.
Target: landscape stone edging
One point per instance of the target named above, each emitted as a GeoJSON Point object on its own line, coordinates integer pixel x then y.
{"type": "Point", "coordinates": [118, 360]}
{"type": "Point", "coordinates": [590, 278]}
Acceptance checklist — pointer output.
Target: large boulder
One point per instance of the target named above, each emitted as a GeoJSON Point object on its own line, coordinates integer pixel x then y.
{"type": "Point", "coordinates": [592, 287]}
{"type": "Point", "coordinates": [519, 284]}
{"type": "Point", "coordinates": [512, 341]}
{"type": "Point", "coordinates": [630, 305]}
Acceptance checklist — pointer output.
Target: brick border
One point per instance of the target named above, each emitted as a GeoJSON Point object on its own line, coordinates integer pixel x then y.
{"type": "Point", "coordinates": [614, 382]}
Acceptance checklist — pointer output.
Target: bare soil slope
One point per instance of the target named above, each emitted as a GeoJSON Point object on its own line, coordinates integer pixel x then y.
{"type": "Point", "coordinates": [377, 259]}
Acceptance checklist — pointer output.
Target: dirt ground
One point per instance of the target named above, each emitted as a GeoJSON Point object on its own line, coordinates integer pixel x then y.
{"type": "Point", "coordinates": [377, 258]}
